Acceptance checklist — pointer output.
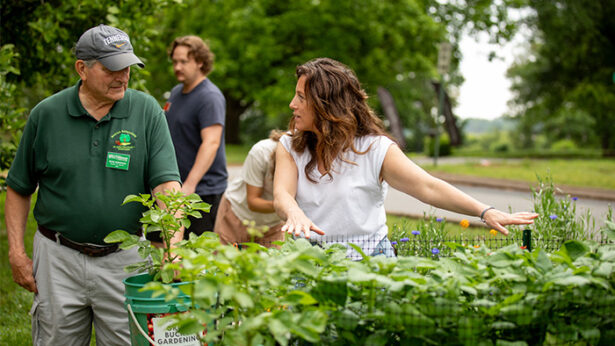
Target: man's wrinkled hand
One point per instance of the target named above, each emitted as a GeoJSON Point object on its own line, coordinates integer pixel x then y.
{"type": "Point", "coordinates": [21, 267]}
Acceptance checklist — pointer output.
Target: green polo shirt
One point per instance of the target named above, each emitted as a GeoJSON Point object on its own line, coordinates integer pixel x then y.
{"type": "Point", "coordinates": [84, 168]}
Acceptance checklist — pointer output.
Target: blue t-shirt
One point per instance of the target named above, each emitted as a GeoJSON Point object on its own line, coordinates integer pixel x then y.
{"type": "Point", "coordinates": [187, 114]}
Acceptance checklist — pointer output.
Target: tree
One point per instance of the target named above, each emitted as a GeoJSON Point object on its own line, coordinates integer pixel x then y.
{"type": "Point", "coordinates": [44, 34]}
{"type": "Point", "coordinates": [566, 80]}
{"type": "Point", "coordinates": [36, 58]}
{"type": "Point", "coordinates": [258, 44]}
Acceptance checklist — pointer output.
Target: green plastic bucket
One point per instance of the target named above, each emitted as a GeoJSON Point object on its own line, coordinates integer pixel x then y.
{"type": "Point", "coordinates": [145, 313]}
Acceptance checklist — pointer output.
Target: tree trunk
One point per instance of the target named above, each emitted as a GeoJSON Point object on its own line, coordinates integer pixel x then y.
{"type": "Point", "coordinates": [234, 110]}
{"type": "Point", "coordinates": [390, 111]}
{"type": "Point", "coordinates": [450, 122]}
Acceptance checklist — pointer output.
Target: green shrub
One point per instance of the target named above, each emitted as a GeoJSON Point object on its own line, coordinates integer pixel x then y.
{"type": "Point", "coordinates": [443, 150]}
{"type": "Point", "coordinates": [564, 145]}
{"type": "Point", "coordinates": [12, 116]}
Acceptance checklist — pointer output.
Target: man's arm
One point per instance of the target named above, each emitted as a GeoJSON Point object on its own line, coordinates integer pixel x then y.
{"type": "Point", "coordinates": [16, 211]}
{"type": "Point", "coordinates": [164, 188]}
{"type": "Point", "coordinates": [210, 142]}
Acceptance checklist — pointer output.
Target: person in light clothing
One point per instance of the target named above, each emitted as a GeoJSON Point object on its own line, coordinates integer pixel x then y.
{"type": "Point", "coordinates": [249, 198]}
{"type": "Point", "coordinates": [334, 168]}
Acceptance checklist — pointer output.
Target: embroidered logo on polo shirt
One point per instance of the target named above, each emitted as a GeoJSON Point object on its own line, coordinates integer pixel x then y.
{"type": "Point", "coordinates": [124, 140]}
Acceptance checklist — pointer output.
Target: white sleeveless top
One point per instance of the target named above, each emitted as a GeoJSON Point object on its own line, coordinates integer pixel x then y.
{"type": "Point", "coordinates": [349, 207]}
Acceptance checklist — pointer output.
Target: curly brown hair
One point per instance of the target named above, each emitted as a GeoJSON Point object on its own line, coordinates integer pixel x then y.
{"type": "Point", "coordinates": [198, 49]}
{"type": "Point", "coordinates": [341, 114]}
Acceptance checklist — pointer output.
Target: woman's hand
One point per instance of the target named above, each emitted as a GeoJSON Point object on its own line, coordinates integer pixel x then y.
{"type": "Point", "coordinates": [297, 222]}
{"type": "Point", "coordinates": [497, 219]}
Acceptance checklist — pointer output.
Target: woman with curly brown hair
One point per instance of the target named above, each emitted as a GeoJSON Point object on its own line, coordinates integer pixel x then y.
{"type": "Point", "coordinates": [332, 174]}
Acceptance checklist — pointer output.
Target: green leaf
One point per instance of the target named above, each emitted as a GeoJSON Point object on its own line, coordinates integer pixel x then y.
{"type": "Point", "coordinates": [542, 261]}
{"type": "Point", "coordinates": [610, 230]}
{"type": "Point", "coordinates": [166, 275]}
{"type": "Point", "coordinates": [572, 281]}
{"type": "Point", "coordinates": [379, 338]}
{"type": "Point", "coordinates": [575, 248]}
{"type": "Point", "coordinates": [498, 325]}
{"type": "Point", "coordinates": [332, 290]}
{"type": "Point", "coordinates": [138, 267]}
{"type": "Point", "coordinates": [356, 274]}
{"type": "Point", "coordinates": [205, 288]}
{"type": "Point", "coordinates": [300, 297]}
{"type": "Point", "coordinates": [135, 198]}
{"type": "Point", "coordinates": [254, 323]}
{"type": "Point", "coordinates": [118, 237]}
{"type": "Point", "coordinates": [279, 331]}
{"type": "Point", "coordinates": [359, 250]}
{"type": "Point", "coordinates": [348, 319]}
{"type": "Point", "coordinates": [244, 300]}
{"type": "Point", "coordinates": [190, 326]}
{"type": "Point", "coordinates": [314, 320]}
{"type": "Point", "coordinates": [591, 334]}
{"type": "Point", "coordinates": [304, 267]}
{"type": "Point", "coordinates": [469, 290]}
{"type": "Point", "coordinates": [605, 270]}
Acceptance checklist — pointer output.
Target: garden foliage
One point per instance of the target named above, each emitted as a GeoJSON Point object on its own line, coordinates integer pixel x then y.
{"type": "Point", "coordinates": [167, 213]}
{"type": "Point", "coordinates": [302, 293]}
{"type": "Point", "coordinates": [436, 291]}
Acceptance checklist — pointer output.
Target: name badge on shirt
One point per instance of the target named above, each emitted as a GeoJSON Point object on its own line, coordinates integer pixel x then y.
{"type": "Point", "coordinates": [118, 161]}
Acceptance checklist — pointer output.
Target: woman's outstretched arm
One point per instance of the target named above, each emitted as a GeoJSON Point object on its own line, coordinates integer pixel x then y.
{"type": "Point", "coordinates": [406, 176]}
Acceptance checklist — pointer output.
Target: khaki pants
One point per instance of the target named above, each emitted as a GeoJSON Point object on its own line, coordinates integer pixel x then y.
{"type": "Point", "coordinates": [232, 231]}
{"type": "Point", "coordinates": [76, 291]}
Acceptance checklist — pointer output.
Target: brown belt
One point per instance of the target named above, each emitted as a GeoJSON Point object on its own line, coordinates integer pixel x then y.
{"type": "Point", "coordinates": [92, 250]}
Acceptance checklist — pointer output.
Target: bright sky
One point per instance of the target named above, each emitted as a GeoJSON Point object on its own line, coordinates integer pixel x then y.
{"type": "Point", "coordinates": [486, 89]}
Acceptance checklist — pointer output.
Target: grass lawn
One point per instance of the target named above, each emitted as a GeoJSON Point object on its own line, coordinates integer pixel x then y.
{"type": "Point", "coordinates": [596, 173]}
{"type": "Point", "coordinates": [236, 154]}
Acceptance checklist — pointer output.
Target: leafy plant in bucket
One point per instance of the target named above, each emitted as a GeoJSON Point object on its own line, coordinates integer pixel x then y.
{"type": "Point", "coordinates": [166, 213]}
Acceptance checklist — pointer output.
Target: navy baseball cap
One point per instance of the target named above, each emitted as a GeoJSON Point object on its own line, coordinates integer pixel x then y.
{"type": "Point", "coordinates": [109, 45]}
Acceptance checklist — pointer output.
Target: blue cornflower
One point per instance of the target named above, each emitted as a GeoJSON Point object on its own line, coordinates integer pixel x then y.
{"type": "Point", "coordinates": [404, 240]}
{"type": "Point", "coordinates": [435, 251]}
{"type": "Point", "coordinates": [416, 232]}
{"type": "Point", "coordinates": [439, 219]}
{"type": "Point", "coordinates": [393, 242]}
{"type": "Point", "coordinates": [575, 198]}
{"type": "Point", "coordinates": [553, 217]}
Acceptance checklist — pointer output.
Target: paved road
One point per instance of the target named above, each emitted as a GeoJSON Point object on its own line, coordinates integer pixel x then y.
{"type": "Point", "coordinates": [402, 204]}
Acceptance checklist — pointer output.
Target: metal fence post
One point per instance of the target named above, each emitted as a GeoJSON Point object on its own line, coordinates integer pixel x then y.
{"type": "Point", "coordinates": [527, 239]}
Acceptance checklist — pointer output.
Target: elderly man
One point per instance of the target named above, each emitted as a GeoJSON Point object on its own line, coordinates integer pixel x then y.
{"type": "Point", "coordinates": [86, 148]}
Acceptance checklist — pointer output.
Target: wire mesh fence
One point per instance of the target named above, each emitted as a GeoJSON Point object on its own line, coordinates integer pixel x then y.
{"type": "Point", "coordinates": [443, 247]}
{"type": "Point", "coordinates": [439, 246]}
{"type": "Point", "coordinates": [530, 318]}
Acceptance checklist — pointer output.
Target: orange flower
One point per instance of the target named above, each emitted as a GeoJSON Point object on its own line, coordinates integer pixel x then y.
{"type": "Point", "coordinates": [493, 232]}
{"type": "Point", "coordinates": [464, 223]}
{"type": "Point", "coordinates": [477, 246]}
